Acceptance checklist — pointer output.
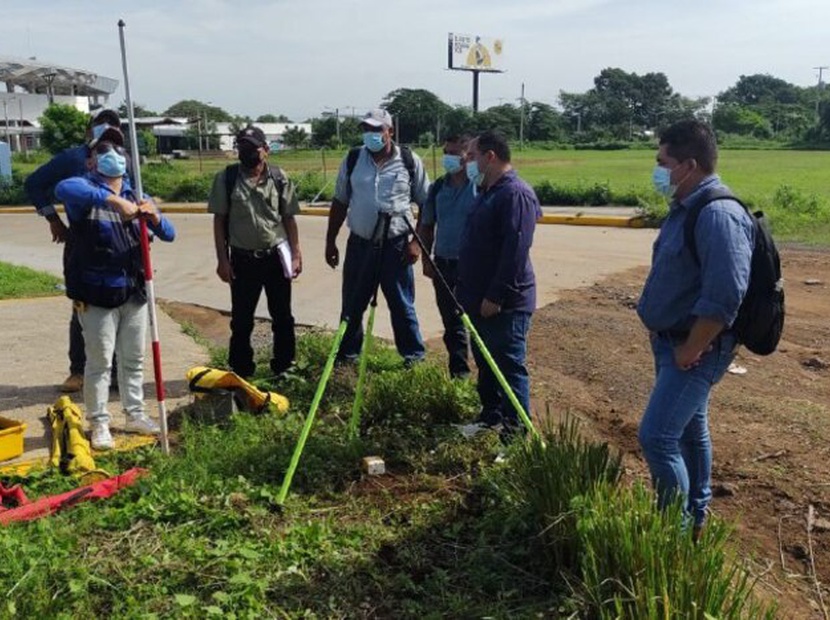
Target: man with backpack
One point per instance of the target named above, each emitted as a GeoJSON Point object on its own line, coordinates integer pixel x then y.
{"type": "Point", "coordinates": [700, 274]}
{"type": "Point", "coordinates": [257, 246]}
{"type": "Point", "coordinates": [448, 204]}
{"type": "Point", "coordinates": [378, 179]}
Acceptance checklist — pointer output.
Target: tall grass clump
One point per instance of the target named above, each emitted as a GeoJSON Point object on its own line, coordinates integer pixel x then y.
{"type": "Point", "coordinates": [638, 562]}
{"type": "Point", "coordinates": [544, 477]}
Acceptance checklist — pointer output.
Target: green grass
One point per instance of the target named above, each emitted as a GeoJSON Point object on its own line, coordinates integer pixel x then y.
{"type": "Point", "coordinates": [21, 282]}
{"type": "Point", "coordinates": [446, 533]}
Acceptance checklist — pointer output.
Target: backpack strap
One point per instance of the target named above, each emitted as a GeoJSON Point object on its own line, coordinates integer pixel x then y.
{"type": "Point", "coordinates": [231, 174]}
{"type": "Point", "coordinates": [281, 181]}
{"type": "Point", "coordinates": [406, 156]}
{"type": "Point", "coordinates": [432, 195]}
{"type": "Point", "coordinates": [707, 197]}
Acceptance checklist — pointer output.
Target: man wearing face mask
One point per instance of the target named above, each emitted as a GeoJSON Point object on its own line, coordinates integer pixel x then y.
{"type": "Point", "coordinates": [40, 187]}
{"type": "Point", "coordinates": [688, 305]}
{"type": "Point", "coordinates": [105, 279]}
{"type": "Point", "coordinates": [448, 203]}
{"type": "Point", "coordinates": [257, 247]}
{"type": "Point", "coordinates": [496, 284]}
{"type": "Point", "coordinates": [379, 178]}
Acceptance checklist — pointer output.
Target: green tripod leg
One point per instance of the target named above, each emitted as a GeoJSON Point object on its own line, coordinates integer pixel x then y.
{"type": "Point", "coordinates": [315, 404]}
{"type": "Point", "coordinates": [354, 421]}
{"type": "Point", "coordinates": [511, 396]}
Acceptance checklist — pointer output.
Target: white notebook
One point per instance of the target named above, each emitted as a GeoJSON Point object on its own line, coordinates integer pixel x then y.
{"type": "Point", "coordinates": [284, 251]}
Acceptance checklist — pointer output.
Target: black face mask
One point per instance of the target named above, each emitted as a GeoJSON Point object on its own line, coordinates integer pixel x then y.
{"type": "Point", "coordinates": [249, 158]}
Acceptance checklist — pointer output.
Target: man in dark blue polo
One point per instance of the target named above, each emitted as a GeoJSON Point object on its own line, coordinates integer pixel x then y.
{"type": "Point", "coordinates": [448, 203]}
{"type": "Point", "coordinates": [496, 285]}
{"type": "Point", "coordinates": [688, 305]}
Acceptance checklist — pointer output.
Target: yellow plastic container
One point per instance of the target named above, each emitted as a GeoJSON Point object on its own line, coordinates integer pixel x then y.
{"type": "Point", "coordinates": [11, 438]}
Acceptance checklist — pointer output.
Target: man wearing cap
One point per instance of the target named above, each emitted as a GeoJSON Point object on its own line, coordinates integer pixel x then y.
{"type": "Point", "coordinates": [377, 180]}
{"type": "Point", "coordinates": [257, 246]}
{"type": "Point", "coordinates": [40, 187]}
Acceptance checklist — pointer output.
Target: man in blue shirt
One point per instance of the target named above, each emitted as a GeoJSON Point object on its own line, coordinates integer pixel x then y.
{"type": "Point", "coordinates": [105, 279]}
{"type": "Point", "coordinates": [688, 306]}
{"type": "Point", "coordinates": [496, 284]}
{"type": "Point", "coordinates": [40, 187]}
{"type": "Point", "coordinates": [385, 180]}
{"type": "Point", "coordinates": [448, 203]}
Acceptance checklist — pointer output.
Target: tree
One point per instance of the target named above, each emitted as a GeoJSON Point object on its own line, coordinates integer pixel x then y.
{"type": "Point", "coordinates": [191, 108]}
{"type": "Point", "coordinates": [271, 118]}
{"type": "Point", "coordinates": [457, 121]}
{"type": "Point", "coordinates": [505, 118]}
{"type": "Point", "coordinates": [295, 137]}
{"type": "Point", "coordinates": [64, 126]}
{"type": "Point", "coordinates": [543, 123]}
{"type": "Point", "coordinates": [138, 109]}
{"type": "Point", "coordinates": [417, 111]}
{"type": "Point", "coordinates": [146, 142]}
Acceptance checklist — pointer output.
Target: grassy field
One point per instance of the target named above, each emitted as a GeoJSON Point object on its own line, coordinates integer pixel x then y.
{"type": "Point", "coordinates": [792, 187]}
{"type": "Point", "coordinates": [447, 533]}
{"type": "Point", "coordinates": [17, 282]}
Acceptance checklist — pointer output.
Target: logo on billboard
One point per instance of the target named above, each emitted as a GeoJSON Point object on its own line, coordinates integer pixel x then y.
{"type": "Point", "coordinates": [475, 53]}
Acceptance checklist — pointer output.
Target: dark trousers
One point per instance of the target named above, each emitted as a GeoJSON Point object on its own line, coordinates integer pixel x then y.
{"type": "Point", "coordinates": [505, 336]}
{"type": "Point", "coordinates": [397, 281]}
{"type": "Point", "coordinates": [455, 334]}
{"type": "Point", "coordinates": [251, 275]}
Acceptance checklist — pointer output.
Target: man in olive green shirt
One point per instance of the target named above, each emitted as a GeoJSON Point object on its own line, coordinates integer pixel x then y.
{"type": "Point", "coordinates": [257, 246]}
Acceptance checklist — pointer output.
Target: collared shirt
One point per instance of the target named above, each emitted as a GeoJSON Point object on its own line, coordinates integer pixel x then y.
{"type": "Point", "coordinates": [79, 194]}
{"type": "Point", "coordinates": [256, 211]}
{"type": "Point", "coordinates": [494, 257]}
{"type": "Point", "coordinates": [448, 208]}
{"type": "Point", "coordinates": [383, 189]}
{"type": "Point", "coordinates": [678, 289]}
{"type": "Point", "coordinates": [40, 185]}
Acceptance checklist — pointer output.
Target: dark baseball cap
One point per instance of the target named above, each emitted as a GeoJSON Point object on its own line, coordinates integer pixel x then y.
{"type": "Point", "coordinates": [110, 134]}
{"type": "Point", "coordinates": [252, 134]}
{"type": "Point", "coordinates": [110, 117]}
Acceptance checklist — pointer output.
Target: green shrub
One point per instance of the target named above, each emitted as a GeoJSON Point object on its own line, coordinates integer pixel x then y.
{"type": "Point", "coordinates": [637, 561]}
{"type": "Point", "coordinates": [12, 191]}
{"type": "Point", "coordinates": [310, 184]}
{"type": "Point", "coordinates": [545, 475]}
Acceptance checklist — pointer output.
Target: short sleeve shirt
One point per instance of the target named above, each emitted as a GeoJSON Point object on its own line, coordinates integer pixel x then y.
{"type": "Point", "coordinates": [256, 210]}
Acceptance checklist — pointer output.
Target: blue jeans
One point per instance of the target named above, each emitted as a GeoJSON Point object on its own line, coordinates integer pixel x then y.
{"type": "Point", "coordinates": [505, 336]}
{"type": "Point", "coordinates": [674, 431]}
{"type": "Point", "coordinates": [397, 281]}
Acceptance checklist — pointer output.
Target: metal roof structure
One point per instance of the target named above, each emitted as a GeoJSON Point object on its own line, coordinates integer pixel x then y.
{"type": "Point", "coordinates": [38, 77]}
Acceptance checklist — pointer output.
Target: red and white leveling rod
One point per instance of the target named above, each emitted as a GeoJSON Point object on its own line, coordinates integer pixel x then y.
{"type": "Point", "coordinates": [145, 252]}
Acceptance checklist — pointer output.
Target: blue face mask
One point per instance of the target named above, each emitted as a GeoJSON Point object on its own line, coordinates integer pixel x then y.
{"type": "Point", "coordinates": [98, 130]}
{"type": "Point", "coordinates": [452, 163]}
{"type": "Point", "coordinates": [111, 164]}
{"type": "Point", "coordinates": [373, 140]}
{"type": "Point", "coordinates": [661, 178]}
{"type": "Point", "coordinates": [473, 173]}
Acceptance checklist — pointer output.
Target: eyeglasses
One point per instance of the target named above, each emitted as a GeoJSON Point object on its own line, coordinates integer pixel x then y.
{"type": "Point", "coordinates": [106, 147]}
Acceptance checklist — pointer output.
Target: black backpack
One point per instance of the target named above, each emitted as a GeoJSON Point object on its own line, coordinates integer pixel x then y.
{"type": "Point", "coordinates": [406, 156]}
{"type": "Point", "coordinates": [760, 318]}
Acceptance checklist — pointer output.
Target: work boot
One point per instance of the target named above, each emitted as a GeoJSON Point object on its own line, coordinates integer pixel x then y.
{"type": "Point", "coordinates": [73, 383]}
{"type": "Point", "coordinates": [101, 437]}
{"type": "Point", "coordinates": [142, 425]}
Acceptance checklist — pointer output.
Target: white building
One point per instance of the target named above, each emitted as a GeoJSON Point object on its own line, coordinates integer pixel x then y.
{"type": "Point", "coordinates": [30, 86]}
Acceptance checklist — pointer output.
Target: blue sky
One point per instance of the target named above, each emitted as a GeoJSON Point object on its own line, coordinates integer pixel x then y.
{"type": "Point", "coordinates": [301, 58]}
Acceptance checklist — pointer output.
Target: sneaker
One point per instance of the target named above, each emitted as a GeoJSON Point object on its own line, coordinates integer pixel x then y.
{"type": "Point", "coordinates": [142, 424]}
{"type": "Point", "coordinates": [473, 429]}
{"type": "Point", "coordinates": [101, 438]}
{"type": "Point", "coordinates": [73, 383]}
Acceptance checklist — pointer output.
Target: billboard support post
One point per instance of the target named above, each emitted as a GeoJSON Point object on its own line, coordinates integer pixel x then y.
{"type": "Point", "coordinates": [475, 91]}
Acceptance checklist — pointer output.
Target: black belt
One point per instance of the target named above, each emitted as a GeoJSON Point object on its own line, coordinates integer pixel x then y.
{"type": "Point", "coordinates": [674, 334]}
{"type": "Point", "coordinates": [255, 253]}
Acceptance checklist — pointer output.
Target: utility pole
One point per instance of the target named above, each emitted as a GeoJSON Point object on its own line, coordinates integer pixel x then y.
{"type": "Point", "coordinates": [337, 125]}
{"type": "Point", "coordinates": [818, 89]}
{"type": "Point", "coordinates": [23, 144]}
{"type": "Point", "coordinates": [522, 120]}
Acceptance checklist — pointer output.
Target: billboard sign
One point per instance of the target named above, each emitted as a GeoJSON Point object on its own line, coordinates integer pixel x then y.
{"type": "Point", "coordinates": [475, 53]}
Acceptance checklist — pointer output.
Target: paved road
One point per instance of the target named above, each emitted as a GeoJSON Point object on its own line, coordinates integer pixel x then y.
{"type": "Point", "coordinates": [563, 256]}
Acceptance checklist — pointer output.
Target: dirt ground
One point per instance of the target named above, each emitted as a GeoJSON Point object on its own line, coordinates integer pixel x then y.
{"type": "Point", "coordinates": [589, 356]}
